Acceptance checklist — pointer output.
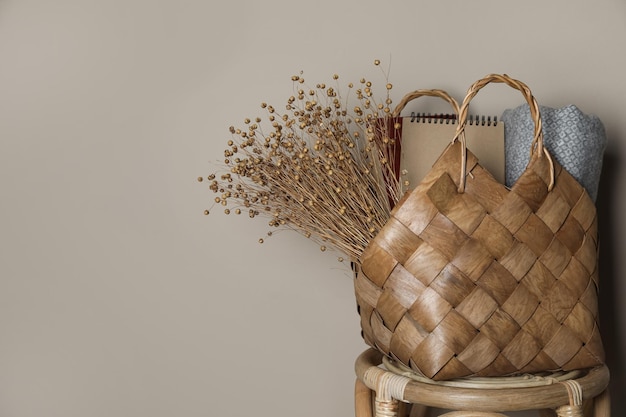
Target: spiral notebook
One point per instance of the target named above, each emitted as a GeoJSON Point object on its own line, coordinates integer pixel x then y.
{"type": "Point", "coordinates": [424, 137]}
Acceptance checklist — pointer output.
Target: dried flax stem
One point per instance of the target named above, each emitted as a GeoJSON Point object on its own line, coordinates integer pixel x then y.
{"type": "Point", "coordinates": [322, 170]}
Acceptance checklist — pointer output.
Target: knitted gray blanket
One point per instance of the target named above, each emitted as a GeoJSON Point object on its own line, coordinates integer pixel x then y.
{"type": "Point", "coordinates": [576, 140]}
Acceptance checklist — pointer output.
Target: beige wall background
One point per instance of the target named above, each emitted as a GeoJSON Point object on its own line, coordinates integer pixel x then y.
{"type": "Point", "coordinates": [118, 297]}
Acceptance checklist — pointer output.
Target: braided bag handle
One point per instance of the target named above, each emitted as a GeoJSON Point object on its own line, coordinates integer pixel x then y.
{"type": "Point", "coordinates": [425, 93]}
{"type": "Point", "coordinates": [537, 147]}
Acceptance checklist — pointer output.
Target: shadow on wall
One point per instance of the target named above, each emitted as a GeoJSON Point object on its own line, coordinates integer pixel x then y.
{"type": "Point", "coordinates": [609, 292]}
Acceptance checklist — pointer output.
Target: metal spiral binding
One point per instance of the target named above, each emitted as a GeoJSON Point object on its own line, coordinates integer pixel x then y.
{"type": "Point", "coordinates": [441, 118]}
{"type": "Point", "coordinates": [482, 120]}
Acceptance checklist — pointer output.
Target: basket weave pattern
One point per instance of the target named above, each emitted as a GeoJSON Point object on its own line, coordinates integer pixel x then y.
{"type": "Point", "coordinates": [476, 279]}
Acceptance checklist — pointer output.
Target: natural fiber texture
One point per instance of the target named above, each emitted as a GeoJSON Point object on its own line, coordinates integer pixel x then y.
{"type": "Point", "coordinates": [493, 382]}
{"type": "Point", "coordinates": [469, 277]}
{"type": "Point", "coordinates": [422, 395]}
{"type": "Point", "coordinates": [425, 93]}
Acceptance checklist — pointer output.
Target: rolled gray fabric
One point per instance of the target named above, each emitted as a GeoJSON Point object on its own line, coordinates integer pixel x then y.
{"type": "Point", "coordinates": [576, 140]}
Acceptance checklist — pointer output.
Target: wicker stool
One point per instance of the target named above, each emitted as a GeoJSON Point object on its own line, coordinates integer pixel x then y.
{"type": "Point", "coordinates": [398, 391]}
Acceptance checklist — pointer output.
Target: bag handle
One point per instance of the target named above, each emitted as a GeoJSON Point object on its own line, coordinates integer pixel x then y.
{"type": "Point", "coordinates": [425, 92]}
{"type": "Point", "coordinates": [537, 143]}
{"type": "Point", "coordinates": [393, 128]}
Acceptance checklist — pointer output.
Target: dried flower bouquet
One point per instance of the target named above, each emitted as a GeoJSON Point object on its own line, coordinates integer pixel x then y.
{"type": "Point", "coordinates": [325, 167]}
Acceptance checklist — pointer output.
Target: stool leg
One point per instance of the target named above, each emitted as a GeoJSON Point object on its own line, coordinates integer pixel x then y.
{"type": "Point", "coordinates": [602, 404]}
{"type": "Point", "coordinates": [362, 400]}
{"type": "Point", "coordinates": [419, 410]}
{"type": "Point", "coordinates": [387, 408]}
{"type": "Point", "coordinates": [404, 409]}
{"type": "Point", "coordinates": [363, 403]}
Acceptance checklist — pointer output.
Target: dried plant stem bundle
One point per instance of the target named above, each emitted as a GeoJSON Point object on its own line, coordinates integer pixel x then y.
{"type": "Point", "coordinates": [321, 169]}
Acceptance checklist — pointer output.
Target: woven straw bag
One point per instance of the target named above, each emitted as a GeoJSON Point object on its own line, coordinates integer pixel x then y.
{"type": "Point", "coordinates": [471, 278]}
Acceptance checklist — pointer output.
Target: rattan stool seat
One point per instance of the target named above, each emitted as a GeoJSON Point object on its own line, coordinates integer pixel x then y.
{"type": "Point", "coordinates": [391, 390]}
